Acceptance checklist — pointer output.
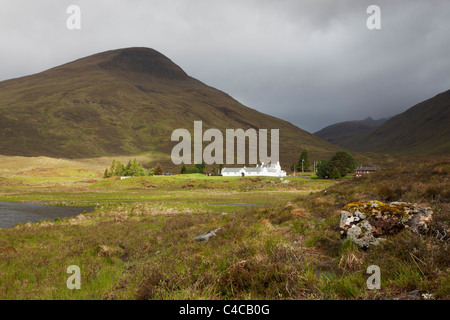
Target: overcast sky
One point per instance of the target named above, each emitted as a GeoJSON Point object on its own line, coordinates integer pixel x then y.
{"type": "Point", "coordinates": [310, 62]}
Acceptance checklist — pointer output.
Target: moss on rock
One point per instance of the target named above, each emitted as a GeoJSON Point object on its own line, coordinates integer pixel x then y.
{"type": "Point", "coordinates": [365, 222]}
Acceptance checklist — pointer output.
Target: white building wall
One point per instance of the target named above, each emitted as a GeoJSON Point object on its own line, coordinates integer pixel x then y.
{"type": "Point", "coordinates": [259, 171]}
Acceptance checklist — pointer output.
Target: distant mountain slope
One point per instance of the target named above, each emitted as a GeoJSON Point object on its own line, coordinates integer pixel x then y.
{"type": "Point", "coordinates": [124, 102]}
{"type": "Point", "coordinates": [423, 129]}
{"type": "Point", "coordinates": [343, 133]}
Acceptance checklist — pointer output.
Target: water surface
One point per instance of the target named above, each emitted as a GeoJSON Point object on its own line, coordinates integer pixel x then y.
{"type": "Point", "coordinates": [12, 213]}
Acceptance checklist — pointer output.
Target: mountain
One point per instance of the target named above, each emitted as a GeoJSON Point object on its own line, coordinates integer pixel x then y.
{"type": "Point", "coordinates": [423, 129]}
{"type": "Point", "coordinates": [125, 102]}
{"type": "Point", "coordinates": [343, 133]}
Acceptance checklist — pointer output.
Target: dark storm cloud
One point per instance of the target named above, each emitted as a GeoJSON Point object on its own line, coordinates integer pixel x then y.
{"type": "Point", "coordinates": [309, 62]}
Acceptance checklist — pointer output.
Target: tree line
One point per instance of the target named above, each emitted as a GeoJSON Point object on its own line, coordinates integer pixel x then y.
{"type": "Point", "coordinates": [200, 168]}
{"type": "Point", "coordinates": [132, 169]}
{"type": "Point", "coordinates": [341, 164]}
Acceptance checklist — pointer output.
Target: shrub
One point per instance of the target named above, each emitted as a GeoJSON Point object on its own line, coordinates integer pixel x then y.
{"type": "Point", "coordinates": [190, 170]}
{"type": "Point", "coordinates": [158, 169]}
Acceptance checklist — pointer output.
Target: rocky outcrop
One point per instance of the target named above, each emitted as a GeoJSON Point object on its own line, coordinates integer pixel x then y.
{"type": "Point", "coordinates": [366, 223]}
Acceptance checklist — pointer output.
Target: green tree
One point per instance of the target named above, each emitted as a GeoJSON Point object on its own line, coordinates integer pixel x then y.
{"type": "Point", "coordinates": [322, 169]}
{"type": "Point", "coordinates": [112, 168]}
{"type": "Point", "coordinates": [158, 169]}
{"type": "Point", "coordinates": [343, 161]}
{"type": "Point", "coordinates": [128, 169]}
{"type": "Point", "coordinates": [335, 174]}
{"type": "Point", "coordinates": [135, 169]}
{"type": "Point", "coordinates": [119, 169]}
{"type": "Point", "coordinates": [304, 158]}
{"type": "Point", "coordinates": [116, 169]}
{"type": "Point", "coordinates": [183, 169]}
{"type": "Point", "coordinates": [201, 167]}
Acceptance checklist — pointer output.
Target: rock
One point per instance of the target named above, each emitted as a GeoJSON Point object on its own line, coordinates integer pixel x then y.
{"type": "Point", "coordinates": [366, 223]}
{"type": "Point", "coordinates": [362, 235]}
{"type": "Point", "coordinates": [413, 295]}
{"type": "Point", "coordinates": [427, 296]}
{"type": "Point", "coordinates": [206, 236]}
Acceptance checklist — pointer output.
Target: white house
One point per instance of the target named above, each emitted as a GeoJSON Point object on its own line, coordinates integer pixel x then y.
{"type": "Point", "coordinates": [264, 170]}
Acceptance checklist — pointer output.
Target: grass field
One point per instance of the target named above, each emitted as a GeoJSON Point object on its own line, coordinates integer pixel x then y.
{"type": "Point", "coordinates": [139, 242]}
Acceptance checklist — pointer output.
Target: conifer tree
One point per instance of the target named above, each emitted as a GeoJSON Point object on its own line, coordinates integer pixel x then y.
{"type": "Point", "coordinates": [128, 169]}
{"type": "Point", "coordinates": [158, 169]}
{"type": "Point", "coordinates": [119, 169]}
{"type": "Point", "coordinates": [304, 157]}
{"type": "Point", "coordinates": [112, 168]}
{"type": "Point", "coordinates": [135, 169]}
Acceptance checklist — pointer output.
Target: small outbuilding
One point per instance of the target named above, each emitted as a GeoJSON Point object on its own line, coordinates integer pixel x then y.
{"type": "Point", "coordinates": [360, 171]}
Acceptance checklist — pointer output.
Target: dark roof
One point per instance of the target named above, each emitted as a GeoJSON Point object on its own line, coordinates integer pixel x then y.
{"type": "Point", "coordinates": [366, 168]}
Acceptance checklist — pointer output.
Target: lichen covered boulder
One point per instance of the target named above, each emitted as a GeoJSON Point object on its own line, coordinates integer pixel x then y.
{"type": "Point", "coordinates": [366, 223]}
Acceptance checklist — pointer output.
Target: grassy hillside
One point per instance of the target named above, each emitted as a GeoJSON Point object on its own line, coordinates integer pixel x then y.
{"type": "Point", "coordinates": [342, 134]}
{"type": "Point", "coordinates": [423, 129]}
{"type": "Point", "coordinates": [124, 102]}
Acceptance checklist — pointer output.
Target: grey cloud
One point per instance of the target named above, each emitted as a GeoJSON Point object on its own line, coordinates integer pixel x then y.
{"type": "Point", "coordinates": [312, 62]}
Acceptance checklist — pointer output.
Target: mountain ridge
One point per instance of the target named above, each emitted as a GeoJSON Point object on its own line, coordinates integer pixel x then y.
{"type": "Point", "coordinates": [423, 128]}
{"type": "Point", "coordinates": [343, 133]}
{"type": "Point", "coordinates": [124, 101]}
